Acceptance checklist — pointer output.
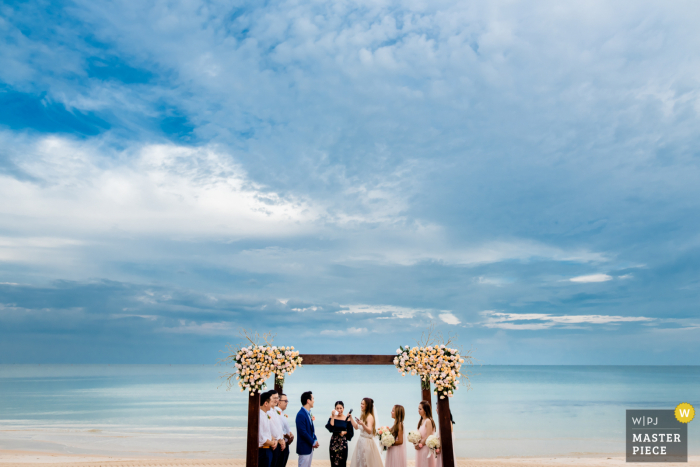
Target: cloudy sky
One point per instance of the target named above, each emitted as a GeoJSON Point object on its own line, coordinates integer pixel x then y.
{"type": "Point", "coordinates": [526, 175]}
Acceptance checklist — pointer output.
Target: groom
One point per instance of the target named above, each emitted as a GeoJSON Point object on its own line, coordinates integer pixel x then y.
{"type": "Point", "coordinates": [305, 431]}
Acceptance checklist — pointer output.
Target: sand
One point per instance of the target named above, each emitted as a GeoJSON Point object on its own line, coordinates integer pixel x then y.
{"type": "Point", "coordinates": [29, 459]}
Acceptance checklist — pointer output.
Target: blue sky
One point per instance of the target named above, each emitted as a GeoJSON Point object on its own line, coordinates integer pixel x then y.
{"type": "Point", "coordinates": [523, 174]}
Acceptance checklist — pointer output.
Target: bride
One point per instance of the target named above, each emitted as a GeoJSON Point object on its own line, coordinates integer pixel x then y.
{"type": "Point", "coordinates": [366, 452]}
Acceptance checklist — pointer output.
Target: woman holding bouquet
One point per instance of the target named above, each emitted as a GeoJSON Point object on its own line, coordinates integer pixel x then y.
{"type": "Point", "coordinates": [396, 454]}
{"type": "Point", "coordinates": [339, 424]}
{"type": "Point", "coordinates": [366, 451]}
{"type": "Point", "coordinates": [426, 427]}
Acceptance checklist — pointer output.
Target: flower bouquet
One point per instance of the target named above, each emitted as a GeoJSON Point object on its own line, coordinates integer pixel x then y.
{"type": "Point", "coordinates": [433, 442]}
{"type": "Point", "coordinates": [386, 439]}
{"type": "Point", "coordinates": [414, 436]}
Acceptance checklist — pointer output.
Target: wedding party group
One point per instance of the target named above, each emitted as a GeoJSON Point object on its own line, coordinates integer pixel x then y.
{"type": "Point", "coordinates": [275, 435]}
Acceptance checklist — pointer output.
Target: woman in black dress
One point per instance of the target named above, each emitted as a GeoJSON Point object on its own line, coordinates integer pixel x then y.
{"type": "Point", "coordinates": [342, 431]}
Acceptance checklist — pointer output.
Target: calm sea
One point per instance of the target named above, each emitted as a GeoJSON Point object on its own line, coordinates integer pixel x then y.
{"type": "Point", "coordinates": [180, 410]}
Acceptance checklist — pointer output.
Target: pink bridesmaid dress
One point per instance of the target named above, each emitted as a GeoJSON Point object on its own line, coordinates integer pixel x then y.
{"type": "Point", "coordinates": [422, 459]}
{"type": "Point", "coordinates": [396, 455]}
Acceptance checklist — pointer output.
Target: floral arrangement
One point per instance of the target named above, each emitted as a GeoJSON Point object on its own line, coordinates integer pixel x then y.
{"type": "Point", "coordinates": [254, 363]}
{"type": "Point", "coordinates": [414, 436]}
{"type": "Point", "coordinates": [433, 442]}
{"type": "Point", "coordinates": [386, 438]}
{"type": "Point", "coordinates": [437, 364]}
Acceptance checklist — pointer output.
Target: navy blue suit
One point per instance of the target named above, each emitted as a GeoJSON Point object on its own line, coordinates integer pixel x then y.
{"type": "Point", "coordinates": [306, 435]}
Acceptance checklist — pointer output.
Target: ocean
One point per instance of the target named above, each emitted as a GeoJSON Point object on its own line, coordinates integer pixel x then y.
{"type": "Point", "coordinates": [185, 411]}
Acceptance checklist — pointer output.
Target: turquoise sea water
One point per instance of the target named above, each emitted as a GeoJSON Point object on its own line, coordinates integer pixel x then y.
{"type": "Point", "coordinates": [179, 410]}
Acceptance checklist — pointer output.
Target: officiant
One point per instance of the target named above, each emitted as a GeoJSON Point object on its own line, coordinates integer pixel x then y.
{"type": "Point", "coordinates": [343, 432]}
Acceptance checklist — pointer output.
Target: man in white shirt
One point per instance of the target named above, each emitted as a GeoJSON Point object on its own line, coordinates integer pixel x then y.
{"type": "Point", "coordinates": [276, 428]}
{"type": "Point", "coordinates": [288, 435]}
{"type": "Point", "coordinates": [266, 443]}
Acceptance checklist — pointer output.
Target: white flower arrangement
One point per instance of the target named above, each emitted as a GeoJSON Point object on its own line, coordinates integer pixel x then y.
{"type": "Point", "coordinates": [433, 442]}
{"type": "Point", "coordinates": [414, 437]}
{"type": "Point", "coordinates": [386, 438]}
{"type": "Point", "coordinates": [387, 441]}
{"type": "Point", "coordinates": [255, 364]}
{"type": "Point", "coordinates": [438, 364]}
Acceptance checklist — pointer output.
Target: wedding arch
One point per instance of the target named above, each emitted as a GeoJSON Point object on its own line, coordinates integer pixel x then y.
{"type": "Point", "coordinates": [436, 364]}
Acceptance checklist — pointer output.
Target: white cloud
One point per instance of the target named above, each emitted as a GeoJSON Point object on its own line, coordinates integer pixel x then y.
{"type": "Point", "coordinates": [428, 244]}
{"type": "Point", "coordinates": [36, 249]}
{"type": "Point", "coordinates": [449, 318]}
{"type": "Point", "coordinates": [500, 320]}
{"type": "Point", "coordinates": [591, 278]}
{"type": "Point", "coordinates": [395, 311]}
{"type": "Point", "coordinates": [343, 332]}
{"type": "Point", "coordinates": [212, 328]}
{"type": "Point", "coordinates": [498, 282]}
{"type": "Point", "coordinates": [153, 190]}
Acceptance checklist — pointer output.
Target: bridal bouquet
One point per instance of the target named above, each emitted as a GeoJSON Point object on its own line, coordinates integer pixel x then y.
{"type": "Point", "coordinates": [433, 442]}
{"type": "Point", "coordinates": [414, 436]}
{"type": "Point", "coordinates": [386, 439]}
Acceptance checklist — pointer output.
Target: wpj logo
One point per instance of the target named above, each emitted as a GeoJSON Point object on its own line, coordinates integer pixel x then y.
{"type": "Point", "coordinates": [656, 436]}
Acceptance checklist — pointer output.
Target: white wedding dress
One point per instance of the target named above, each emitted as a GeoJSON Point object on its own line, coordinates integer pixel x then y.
{"type": "Point", "coordinates": [366, 452]}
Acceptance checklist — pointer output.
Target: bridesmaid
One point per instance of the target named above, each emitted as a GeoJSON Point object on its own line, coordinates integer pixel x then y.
{"type": "Point", "coordinates": [438, 451]}
{"type": "Point", "coordinates": [396, 454]}
{"type": "Point", "coordinates": [342, 431]}
{"type": "Point", "coordinates": [426, 427]}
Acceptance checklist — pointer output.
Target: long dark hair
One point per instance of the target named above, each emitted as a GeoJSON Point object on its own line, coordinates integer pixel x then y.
{"type": "Point", "coordinates": [428, 413]}
{"type": "Point", "coordinates": [369, 410]}
{"type": "Point", "coordinates": [399, 415]}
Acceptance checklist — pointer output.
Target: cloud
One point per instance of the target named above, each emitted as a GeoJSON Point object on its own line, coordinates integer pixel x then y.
{"type": "Point", "coordinates": [156, 190]}
{"type": "Point", "coordinates": [394, 311]}
{"type": "Point", "coordinates": [343, 332]}
{"type": "Point", "coordinates": [496, 281]}
{"type": "Point", "coordinates": [192, 167]}
{"type": "Point", "coordinates": [208, 329]}
{"type": "Point", "coordinates": [397, 312]}
{"type": "Point", "coordinates": [449, 318]}
{"type": "Point", "coordinates": [539, 321]}
{"type": "Point", "coordinates": [591, 278]}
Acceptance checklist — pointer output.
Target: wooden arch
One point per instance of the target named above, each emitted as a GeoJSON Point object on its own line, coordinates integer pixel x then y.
{"type": "Point", "coordinates": [251, 458]}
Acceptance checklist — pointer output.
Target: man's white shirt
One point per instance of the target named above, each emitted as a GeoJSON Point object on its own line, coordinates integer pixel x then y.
{"type": "Point", "coordinates": [285, 423]}
{"type": "Point", "coordinates": [264, 433]}
{"type": "Point", "coordinates": [275, 424]}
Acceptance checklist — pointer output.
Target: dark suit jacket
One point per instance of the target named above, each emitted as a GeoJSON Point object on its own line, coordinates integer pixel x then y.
{"type": "Point", "coordinates": [305, 433]}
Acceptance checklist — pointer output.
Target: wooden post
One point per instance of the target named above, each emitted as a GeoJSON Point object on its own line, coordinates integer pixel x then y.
{"type": "Point", "coordinates": [251, 454]}
{"type": "Point", "coordinates": [279, 384]}
{"type": "Point", "coordinates": [448, 454]}
{"type": "Point", "coordinates": [426, 394]}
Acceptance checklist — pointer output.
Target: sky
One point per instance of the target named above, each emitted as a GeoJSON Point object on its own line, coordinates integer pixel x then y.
{"type": "Point", "coordinates": [523, 175]}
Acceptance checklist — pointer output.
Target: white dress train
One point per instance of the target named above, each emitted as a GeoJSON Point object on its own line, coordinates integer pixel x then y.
{"type": "Point", "coordinates": [366, 452]}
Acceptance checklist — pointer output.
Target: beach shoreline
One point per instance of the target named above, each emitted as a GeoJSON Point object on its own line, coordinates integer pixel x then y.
{"type": "Point", "coordinates": [10, 458]}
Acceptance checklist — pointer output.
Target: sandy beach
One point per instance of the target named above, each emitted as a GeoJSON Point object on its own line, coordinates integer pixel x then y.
{"type": "Point", "coordinates": [10, 458]}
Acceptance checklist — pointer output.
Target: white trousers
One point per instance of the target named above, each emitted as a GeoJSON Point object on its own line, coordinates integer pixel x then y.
{"type": "Point", "coordinates": [305, 461]}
